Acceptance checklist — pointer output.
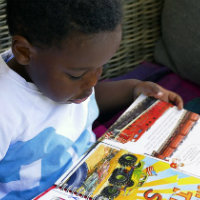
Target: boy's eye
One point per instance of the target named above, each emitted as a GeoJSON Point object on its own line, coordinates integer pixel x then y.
{"type": "Point", "coordinates": [74, 77]}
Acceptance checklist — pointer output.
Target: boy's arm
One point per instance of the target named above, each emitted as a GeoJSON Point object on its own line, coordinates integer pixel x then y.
{"type": "Point", "coordinates": [115, 95]}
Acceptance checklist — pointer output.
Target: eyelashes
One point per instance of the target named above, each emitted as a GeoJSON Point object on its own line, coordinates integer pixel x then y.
{"type": "Point", "coordinates": [74, 77]}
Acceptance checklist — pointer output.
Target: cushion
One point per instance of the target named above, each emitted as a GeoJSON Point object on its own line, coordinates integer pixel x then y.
{"type": "Point", "coordinates": [179, 45]}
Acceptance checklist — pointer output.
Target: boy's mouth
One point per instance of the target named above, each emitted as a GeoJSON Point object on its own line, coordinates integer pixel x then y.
{"type": "Point", "coordinates": [80, 100]}
{"type": "Point", "coordinates": [77, 101]}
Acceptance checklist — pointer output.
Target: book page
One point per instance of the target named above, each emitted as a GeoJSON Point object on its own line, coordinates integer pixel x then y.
{"type": "Point", "coordinates": [113, 173]}
{"type": "Point", "coordinates": [159, 129]}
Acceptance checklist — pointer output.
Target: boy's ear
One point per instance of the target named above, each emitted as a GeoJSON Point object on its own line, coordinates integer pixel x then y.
{"type": "Point", "coordinates": [21, 49]}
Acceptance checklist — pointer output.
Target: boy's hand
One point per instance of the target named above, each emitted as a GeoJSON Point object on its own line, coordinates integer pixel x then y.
{"type": "Point", "coordinates": [115, 95]}
{"type": "Point", "coordinates": [154, 90]}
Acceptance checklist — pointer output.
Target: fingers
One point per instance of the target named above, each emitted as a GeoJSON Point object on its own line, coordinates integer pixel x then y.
{"type": "Point", "coordinates": [171, 97]}
{"type": "Point", "coordinates": [158, 92]}
{"type": "Point", "coordinates": [149, 89]}
{"type": "Point", "coordinates": [176, 99]}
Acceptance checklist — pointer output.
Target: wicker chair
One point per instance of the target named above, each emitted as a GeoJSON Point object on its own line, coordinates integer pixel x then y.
{"type": "Point", "coordinates": [141, 28]}
{"type": "Point", "coordinates": [4, 36]}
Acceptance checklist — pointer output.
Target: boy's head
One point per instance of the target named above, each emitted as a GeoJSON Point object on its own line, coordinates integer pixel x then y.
{"type": "Point", "coordinates": [62, 44]}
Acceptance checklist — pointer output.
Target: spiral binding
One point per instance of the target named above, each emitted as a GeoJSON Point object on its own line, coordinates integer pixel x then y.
{"type": "Point", "coordinates": [73, 191]}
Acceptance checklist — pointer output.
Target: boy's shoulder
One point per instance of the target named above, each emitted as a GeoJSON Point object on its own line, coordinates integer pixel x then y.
{"type": "Point", "coordinates": [5, 79]}
{"type": "Point", "coordinates": [6, 55]}
{"type": "Point", "coordinates": [12, 85]}
{"type": "Point", "coordinates": [11, 91]}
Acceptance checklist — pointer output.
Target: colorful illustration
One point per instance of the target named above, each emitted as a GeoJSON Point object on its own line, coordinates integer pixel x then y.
{"type": "Point", "coordinates": [137, 127]}
{"type": "Point", "coordinates": [118, 174]}
{"type": "Point", "coordinates": [127, 176]}
{"type": "Point", "coordinates": [176, 163]}
{"type": "Point", "coordinates": [133, 113]}
{"type": "Point", "coordinates": [177, 136]}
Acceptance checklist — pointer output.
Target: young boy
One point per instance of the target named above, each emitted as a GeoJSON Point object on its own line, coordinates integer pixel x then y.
{"type": "Point", "coordinates": [47, 85]}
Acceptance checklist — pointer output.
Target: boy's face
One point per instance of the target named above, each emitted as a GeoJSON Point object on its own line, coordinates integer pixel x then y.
{"type": "Point", "coordinates": [68, 74]}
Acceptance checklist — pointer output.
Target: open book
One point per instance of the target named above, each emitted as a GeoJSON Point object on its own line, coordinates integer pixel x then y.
{"type": "Point", "coordinates": [151, 152]}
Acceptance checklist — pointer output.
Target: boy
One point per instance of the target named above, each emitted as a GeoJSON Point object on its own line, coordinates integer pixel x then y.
{"type": "Point", "coordinates": [47, 88]}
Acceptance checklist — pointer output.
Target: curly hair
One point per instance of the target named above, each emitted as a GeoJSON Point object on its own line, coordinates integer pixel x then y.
{"type": "Point", "coordinates": [48, 22]}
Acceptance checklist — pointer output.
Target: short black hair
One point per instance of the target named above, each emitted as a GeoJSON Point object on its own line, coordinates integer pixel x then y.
{"type": "Point", "coordinates": [48, 22]}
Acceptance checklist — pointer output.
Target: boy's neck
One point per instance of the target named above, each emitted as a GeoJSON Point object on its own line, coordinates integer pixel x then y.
{"type": "Point", "coordinates": [20, 69]}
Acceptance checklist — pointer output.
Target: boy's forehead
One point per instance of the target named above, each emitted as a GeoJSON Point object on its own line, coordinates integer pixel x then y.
{"type": "Point", "coordinates": [91, 50]}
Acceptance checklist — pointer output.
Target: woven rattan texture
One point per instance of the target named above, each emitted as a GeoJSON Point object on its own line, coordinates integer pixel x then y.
{"type": "Point", "coordinates": [141, 28]}
{"type": "Point", "coordinates": [4, 36]}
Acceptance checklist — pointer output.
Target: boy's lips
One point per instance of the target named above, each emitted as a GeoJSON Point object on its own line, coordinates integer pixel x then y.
{"type": "Point", "coordinates": [79, 100]}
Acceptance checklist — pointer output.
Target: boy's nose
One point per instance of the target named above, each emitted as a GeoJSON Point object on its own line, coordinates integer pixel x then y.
{"type": "Point", "coordinates": [93, 76]}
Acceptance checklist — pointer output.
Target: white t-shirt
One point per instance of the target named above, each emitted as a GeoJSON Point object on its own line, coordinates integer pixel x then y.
{"type": "Point", "coordinates": [39, 139]}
